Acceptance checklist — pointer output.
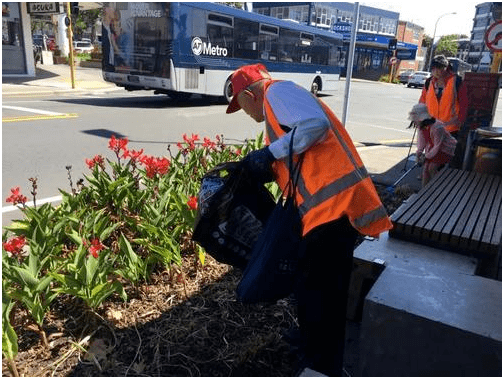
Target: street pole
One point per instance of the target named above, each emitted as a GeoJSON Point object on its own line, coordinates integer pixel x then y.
{"type": "Point", "coordinates": [427, 64]}
{"type": "Point", "coordinates": [70, 41]}
{"type": "Point", "coordinates": [351, 49]}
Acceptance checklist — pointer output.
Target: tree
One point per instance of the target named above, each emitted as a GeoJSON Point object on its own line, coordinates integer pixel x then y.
{"type": "Point", "coordinates": [447, 46]}
{"type": "Point", "coordinates": [84, 20]}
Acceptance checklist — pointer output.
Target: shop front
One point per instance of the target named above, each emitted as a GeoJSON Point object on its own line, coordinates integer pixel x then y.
{"type": "Point", "coordinates": [17, 54]}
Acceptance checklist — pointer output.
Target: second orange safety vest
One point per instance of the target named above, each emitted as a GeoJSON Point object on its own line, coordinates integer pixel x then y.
{"type": "Point", "coordinates": [333, 180]}
{"type": "Point", "coordinates": [447, 107]}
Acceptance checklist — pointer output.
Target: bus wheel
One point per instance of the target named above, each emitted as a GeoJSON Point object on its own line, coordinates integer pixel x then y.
{"type": "Point", "coordinates": [228, 91]}
{"type": "Point", "coordinates": [315, 87]}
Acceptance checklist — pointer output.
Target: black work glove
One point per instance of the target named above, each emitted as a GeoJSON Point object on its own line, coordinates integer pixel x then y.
{"type": "Point", "coordinates": [257, 164]}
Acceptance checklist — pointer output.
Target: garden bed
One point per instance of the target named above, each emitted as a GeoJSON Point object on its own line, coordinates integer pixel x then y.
{"type": "Point", "coordinates": [184, 320]}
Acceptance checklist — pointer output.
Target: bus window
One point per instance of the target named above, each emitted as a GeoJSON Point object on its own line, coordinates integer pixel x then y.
{"type": "Point", "coordinates": [289, 41]}
{"type": "Point", "coordinates": [268, 42]}
{"type": "Point", "coordinates": [246, 39]}
{"type": "Point", "coordinates": [220, 32]}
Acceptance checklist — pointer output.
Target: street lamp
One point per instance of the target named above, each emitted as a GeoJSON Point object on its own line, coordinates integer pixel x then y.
{"type": "Point", "coordinates": [434, 36]}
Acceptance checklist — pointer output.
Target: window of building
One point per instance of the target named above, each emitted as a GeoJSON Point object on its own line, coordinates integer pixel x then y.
{"type": "Point", "coordinates": [13, 55]}
{"type": "Point", "coordinates": [388, 26]}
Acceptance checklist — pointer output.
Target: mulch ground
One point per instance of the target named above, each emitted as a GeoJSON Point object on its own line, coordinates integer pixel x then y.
{"type": "Point", "coordinates": [186, 324]}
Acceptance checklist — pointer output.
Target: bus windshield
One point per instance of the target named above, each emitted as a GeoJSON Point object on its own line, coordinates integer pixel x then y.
{"type": "Point", "coordinates": [188, 48]}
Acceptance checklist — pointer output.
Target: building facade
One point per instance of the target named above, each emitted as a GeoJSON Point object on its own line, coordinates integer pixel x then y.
{"type": "Point", "coordinates": [17, 50]}
{"type": "Point", "coordinates": [413, 34]}
{"type": "Point", "coordinates": [479, 55]}
{"type": "Point", "coordinates": [376, 28]}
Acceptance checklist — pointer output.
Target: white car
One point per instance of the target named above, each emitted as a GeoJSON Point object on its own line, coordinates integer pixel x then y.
{"type": "Point", "coordinates": [83, 46]}
{"type": "Point", "coordinates": [418, 79]}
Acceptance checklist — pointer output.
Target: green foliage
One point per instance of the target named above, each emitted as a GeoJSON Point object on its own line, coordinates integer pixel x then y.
{"type": "Point", "coordinates": [447, 46]}
{"type": "Point", "coordinates": [386, 78]}
{"type": "Point", "coordinates": [131, 216]}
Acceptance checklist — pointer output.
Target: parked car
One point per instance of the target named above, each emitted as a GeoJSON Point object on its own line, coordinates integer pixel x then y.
{"type": "Point", "coordinates": [405, 76]}
{"type": "Point", "coordinates": [83, 46]}
{"type": "Point", "coordinates": [418, 79]}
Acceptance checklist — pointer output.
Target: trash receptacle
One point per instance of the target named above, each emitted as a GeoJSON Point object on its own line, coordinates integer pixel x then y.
{"type": "Point", "coordinates": [488, 156]}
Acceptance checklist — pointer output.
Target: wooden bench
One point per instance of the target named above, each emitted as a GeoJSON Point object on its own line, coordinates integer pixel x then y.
{"type": "Point", "coordinates": [458, 210]}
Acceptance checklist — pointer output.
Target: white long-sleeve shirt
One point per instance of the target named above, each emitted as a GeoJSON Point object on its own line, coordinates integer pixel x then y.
{"type": "Point", "coordinates": [293, 107]}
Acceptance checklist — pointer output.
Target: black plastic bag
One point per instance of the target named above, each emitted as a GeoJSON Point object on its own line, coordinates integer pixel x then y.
{"type": "Point", "coordinates": [232, 210]}
{"type": "Point", "coordinates": [274, 263]}
{"type": "Point", "coordinates": [271, 272]}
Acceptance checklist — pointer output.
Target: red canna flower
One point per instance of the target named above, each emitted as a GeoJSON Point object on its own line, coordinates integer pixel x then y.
{"type": "Point", "coordinates": [96, 247]}
{"type": "Point", "coordinates": [154, 166]}
{"type": "Point", "coordinates": [192, 203]}
{"type": "Point", "coordinates": [97, 160]}
{"type": "Point", "coordinates": [135, 156]}
{"type": "Point", "coordinates": [209, 144]}
{"type": "Point", "coordinates": [116, 145]}
{"type": "Point", "coordinates": [16, 197]}
{"type": "Point", "coordinates": [14, 245]}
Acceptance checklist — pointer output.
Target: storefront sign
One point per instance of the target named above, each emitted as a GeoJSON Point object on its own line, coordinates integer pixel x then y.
{"type": "Point", "coordinates": [46, 8]}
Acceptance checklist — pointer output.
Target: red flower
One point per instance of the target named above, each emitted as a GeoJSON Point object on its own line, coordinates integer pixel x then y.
{"type": "Point", "coordinates": [14, 245]}
{"type": "Point", "coordinates": [116, 145]}
{"type": "Point", "coordinates": [154, 166]}
{"type": "Point", "coordinates": [135, 156]}
{"type": "Point", "coordinates": [192, 203]}
{"type": "Point", "coordinates": [97, 160]}
{"type": "Point", "coordinates": [191, 141]}
{"type": "Point", "coordinates": [16, 197]}
{"type": "Point", "coordinates": [209, 144]}
{"type": "Point", "coordinates": [96, 247]}
{"type": "Point", "coordinates": [238, 152]}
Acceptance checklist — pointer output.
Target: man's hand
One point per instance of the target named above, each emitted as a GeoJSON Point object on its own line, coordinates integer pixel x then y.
{"type": "Point", "coordinates": [258, 164]}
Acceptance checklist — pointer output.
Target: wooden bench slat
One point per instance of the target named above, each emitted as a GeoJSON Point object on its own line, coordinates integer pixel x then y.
{"type": "Point", "coordinates": [488, 204]}
{"type": "Point", "coordinates": [457, 212]}
{"type": "Point", "coordinates": [401, 216]}
{"type": "Point", "coordinates": [469, 217]}
{"type": "Point", "coordinates": [439, 206]}
{"type": "Point", "coordinates": [431, 194]}
{"type": "Point", "coordinates": [468, 233]}
{"type": "Point", "coordinates": [459, 192]}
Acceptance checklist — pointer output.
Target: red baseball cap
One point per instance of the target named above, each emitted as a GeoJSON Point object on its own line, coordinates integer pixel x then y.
{"type": "Point", "coordinates": [244, 77]}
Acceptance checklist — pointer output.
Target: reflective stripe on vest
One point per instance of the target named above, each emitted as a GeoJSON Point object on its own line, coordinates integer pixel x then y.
{"type": "Point", "coordinates": [447, 107]}
{"type": "Point", "coordinates": [326, 199]}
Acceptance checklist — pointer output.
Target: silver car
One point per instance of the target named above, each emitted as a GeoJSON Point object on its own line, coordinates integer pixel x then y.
{"type": "Point", "coordinates": [418, 79]}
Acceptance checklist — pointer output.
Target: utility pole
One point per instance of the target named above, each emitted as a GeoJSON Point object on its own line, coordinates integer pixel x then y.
{"type": "Point", "coordinates": [351, 49]}
{"type": "Point", "coordinates": [70, 41]}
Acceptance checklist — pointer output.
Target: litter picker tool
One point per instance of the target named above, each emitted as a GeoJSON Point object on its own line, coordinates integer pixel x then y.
{"type": "Point", "coordinates": [411, 144]}
{"type": "Point", "coordinates": [392, 187]}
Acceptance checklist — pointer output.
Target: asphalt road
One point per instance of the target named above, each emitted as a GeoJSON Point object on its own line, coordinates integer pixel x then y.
{"type": "Point", "coordinates": [44, 134]}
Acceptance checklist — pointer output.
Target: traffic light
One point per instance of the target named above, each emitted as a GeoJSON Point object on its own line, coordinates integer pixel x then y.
{"type": "Point", "coordinates": [74, 9]}
{"type": "Point", "coordinates": [392, 44]}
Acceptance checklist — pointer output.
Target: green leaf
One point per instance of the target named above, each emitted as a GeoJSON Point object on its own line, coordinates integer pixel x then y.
{"type": "Point", "coordinates": [26, 276]}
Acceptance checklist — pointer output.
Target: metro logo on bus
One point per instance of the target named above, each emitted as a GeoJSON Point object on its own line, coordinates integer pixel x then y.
{"type": "Point", "coordinates": [202, 48]}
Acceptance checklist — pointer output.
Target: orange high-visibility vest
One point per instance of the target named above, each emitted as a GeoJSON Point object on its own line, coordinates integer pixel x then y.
{"type": "Point", "coordinates": [447, 107]}
{"type": "Point", "coordinates": [333, 180]}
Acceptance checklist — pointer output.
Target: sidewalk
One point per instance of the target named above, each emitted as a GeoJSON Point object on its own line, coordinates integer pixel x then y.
{"type": "Point", "coordinates": [385, 163]}
{"type": "Point", "coordinates": [56, 79]}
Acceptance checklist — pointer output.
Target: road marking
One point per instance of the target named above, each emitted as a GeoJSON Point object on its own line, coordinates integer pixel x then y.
{"type": "Point", "coordinates": [41, 114]}
{"type": "Point", "coordinates": [41, 117]}
{"type": "Point", "coordinates": [53, 199]}
{"type": "Point", "coordinates": [32, 110]}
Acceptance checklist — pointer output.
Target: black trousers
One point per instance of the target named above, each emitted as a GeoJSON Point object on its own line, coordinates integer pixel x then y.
{"type": "Point", "coordinates": [322, 294]}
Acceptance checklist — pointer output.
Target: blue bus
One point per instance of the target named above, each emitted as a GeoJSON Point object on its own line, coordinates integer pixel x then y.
{"type": "Point", "coordinates": [180, 49]}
